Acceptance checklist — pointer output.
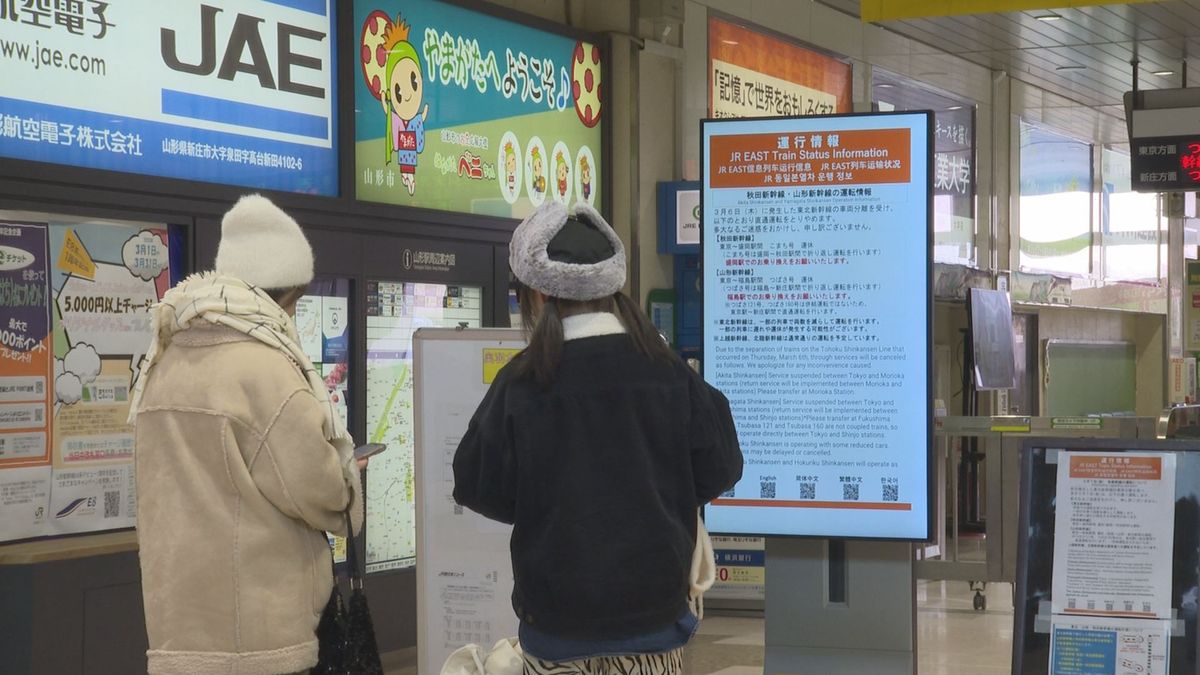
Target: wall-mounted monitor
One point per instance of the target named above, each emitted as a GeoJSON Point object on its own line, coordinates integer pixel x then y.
{"type": "Point", "coordinates": [992, 339]}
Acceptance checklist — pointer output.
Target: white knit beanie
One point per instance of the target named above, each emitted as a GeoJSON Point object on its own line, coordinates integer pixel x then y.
{"type": "Point", "coordinates": [263, 246]}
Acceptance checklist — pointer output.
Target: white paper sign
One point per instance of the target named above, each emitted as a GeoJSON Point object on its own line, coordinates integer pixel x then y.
{"type": "Point", "coordinates": [687, 217]}
{"type": "Point", "coordinates": [24, 502]}
{"type": "Point", "coordinates": [308, 326]}
{"type": "Point", "coordinates": [1114, 534]}
{"type": "Point", "coordinates": [802, 100]}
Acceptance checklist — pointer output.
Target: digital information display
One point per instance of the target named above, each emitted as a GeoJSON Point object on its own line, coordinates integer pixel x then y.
{"type": "Point", "coordinates": [1165, 164]}
{"type": "Point", "coordinates": [817, 324]}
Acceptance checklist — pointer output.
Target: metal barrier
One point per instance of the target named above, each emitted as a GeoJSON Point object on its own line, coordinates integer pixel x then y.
{"type": "Point", "coordinates": [993, 445]}
{"type": "Point", "coordinates": [1181, 421]}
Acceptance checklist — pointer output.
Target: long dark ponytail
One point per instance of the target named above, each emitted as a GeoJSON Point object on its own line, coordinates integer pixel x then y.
{"type": "Point", "coordinates": [545, 331]}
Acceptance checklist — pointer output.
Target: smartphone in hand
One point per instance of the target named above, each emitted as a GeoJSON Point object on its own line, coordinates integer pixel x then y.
{"type": "Point", "coordinates": [369, 450]}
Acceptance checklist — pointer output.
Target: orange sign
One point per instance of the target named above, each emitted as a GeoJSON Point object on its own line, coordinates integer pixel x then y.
{"type": "Point", "coordinates": [74, 258]}
{"type": "Point", "coordinates": [752, 74]}
{"type": "Point", "coordinates": [861, 157]}
{"type": "Point", "coordinates": [1116, 467]}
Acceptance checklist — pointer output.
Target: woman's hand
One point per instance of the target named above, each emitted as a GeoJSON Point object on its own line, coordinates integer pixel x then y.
{"type": "Point", "coordinates": [362, 464]}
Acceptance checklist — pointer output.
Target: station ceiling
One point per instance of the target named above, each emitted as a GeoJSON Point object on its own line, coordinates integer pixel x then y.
{"type": "Point", "coordinates": [1083, 55]}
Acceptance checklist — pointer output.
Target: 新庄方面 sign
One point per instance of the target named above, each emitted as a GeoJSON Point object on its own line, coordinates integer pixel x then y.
{"type": "Point", "coordinates": [1165, 164]}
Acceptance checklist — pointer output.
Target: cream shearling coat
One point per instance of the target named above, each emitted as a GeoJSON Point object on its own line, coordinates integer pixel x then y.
{"type": "Point", "coordinates": [236, 485]}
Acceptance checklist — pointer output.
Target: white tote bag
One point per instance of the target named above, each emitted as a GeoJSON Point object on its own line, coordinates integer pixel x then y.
{"type": "Point", "coordinates": [504, 659]}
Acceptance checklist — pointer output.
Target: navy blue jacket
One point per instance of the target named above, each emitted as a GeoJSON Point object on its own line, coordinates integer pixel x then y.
{"type": "Point", "coordinates": [600, 474]}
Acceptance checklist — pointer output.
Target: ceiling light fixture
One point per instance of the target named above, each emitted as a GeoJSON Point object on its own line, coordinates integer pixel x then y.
{"type": "Point", "coordinates": [730, 42]}
{"type": "Point", "coordinates": [1164, 73]}
{"type": "Point", "coordinates": [1067, 68]}
{"type": "Point", "coordinates": [1048, 17]}
{"type": "Point", "coordinates": [885, 86]}
{"type": "Point", "coordinates": [955, 107]}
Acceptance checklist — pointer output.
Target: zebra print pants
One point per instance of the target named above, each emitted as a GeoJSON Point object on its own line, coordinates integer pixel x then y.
{"type": "Point", "coordinates": [670, 663]}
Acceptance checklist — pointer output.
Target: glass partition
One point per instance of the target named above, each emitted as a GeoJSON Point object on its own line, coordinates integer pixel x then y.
{"type": "Point", "coordinates": [1133, 247]}
{"type": "Point", "coordinates": [1055, 203]}
{"type": "Point", "coordinates": [954, 220]}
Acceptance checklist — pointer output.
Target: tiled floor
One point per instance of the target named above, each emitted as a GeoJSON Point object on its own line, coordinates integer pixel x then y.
{"type": "Point", "coordinates": [952, 638]}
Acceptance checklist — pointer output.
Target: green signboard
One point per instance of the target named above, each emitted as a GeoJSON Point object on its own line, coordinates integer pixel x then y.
{"type": "Point", "coordinates": [462, 111]}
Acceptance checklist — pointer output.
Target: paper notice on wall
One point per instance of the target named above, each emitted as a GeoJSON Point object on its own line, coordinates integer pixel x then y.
{"type": "Point", "coordinates": [92, 498]}
{"type": "Point", "coordinates": [1114, 534]}
{"type": "Point", "coordinates": [470, 606]}
{"type": "Point", "coordinates": [1109, 646]}
{"type": "Point", "coordinates": [24, 501]}
{"type": "Point", "coordinates": [308, 326]}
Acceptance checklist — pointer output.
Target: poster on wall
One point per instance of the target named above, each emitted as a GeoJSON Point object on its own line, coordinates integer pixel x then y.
{"type": "Point", "coordinates": [1100, 646]}
{"type": "Point", "coordinates": [753, 74]}
{"type": "Point", "coordinates": [461, 111]}
{"type": "Point", "coordinates": [105, 278]}
{"type": "Point", "coordinates": [322, 322]}
{"type": "Point", "coordinates": [25, 372]}
{"type": "Point", "coordinates": [1115, 525]}
{"type": "Point", "coordinates": [228, 91]}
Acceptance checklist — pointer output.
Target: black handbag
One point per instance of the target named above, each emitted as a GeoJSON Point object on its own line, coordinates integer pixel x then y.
{"type": "Point", "coordinates": [346, 633]}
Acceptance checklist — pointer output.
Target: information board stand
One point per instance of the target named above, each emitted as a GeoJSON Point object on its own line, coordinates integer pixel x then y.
{"type": "Point", "coordinates": [464, 574]}
{"type": "Point", "coordinates": [817, 272]}
{"type": "Point", "coordinates": [820, 607]}
{"type": "Point", "coordinates": [1135, 612]}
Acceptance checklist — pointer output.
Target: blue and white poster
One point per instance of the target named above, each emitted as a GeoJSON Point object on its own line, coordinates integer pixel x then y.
{"type": "Point", "coordinates": [228, 91]}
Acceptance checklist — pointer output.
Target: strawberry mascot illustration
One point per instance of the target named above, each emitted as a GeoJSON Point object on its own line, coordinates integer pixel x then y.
{"type": "Point", "coordinates": [392, 69]}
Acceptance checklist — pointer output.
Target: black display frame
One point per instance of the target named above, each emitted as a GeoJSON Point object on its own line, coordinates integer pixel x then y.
{"type": "Point", "coordinates": [1025, 607]}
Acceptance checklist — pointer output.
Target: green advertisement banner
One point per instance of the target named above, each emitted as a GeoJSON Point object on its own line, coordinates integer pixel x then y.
{"type": "Point", "coordinates": [461, 111]}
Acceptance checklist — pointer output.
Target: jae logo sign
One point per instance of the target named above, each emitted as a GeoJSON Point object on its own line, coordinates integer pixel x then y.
{"type": "Point", "coordinates": [237, 46]}
{"type": "Point", "coordinates": [230, 91]}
